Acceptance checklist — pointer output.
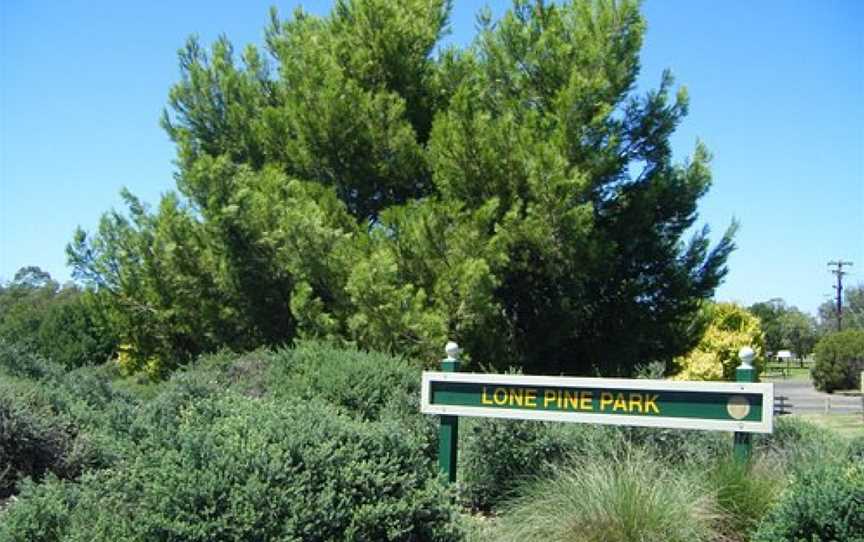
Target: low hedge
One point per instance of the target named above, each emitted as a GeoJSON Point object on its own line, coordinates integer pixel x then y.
{"type": "Point", "coordinates": [824, 503]}
{"type": "Point", "coordinates": [251, 469]}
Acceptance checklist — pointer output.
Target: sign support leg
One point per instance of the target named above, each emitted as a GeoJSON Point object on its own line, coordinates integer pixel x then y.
{"type": "Point", "coordinates": [743, 443]}
{"type": "Point", "coordinates": [448, 434]}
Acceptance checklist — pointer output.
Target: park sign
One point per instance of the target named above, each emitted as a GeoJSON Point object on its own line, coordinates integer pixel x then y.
{"type": "Point", "coordinates": [743, 407]}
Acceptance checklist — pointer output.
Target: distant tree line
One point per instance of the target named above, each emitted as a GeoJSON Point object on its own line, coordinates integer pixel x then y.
{"type": "Point", "coordinates": [58, 322]}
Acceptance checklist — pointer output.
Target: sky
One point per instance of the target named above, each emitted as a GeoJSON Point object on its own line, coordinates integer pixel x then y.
{"type": "Point", "coordinates": [776, 93]}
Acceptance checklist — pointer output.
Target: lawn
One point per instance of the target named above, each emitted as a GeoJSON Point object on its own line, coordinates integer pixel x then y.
{"type": "Point", "coordinates": [776, 372]}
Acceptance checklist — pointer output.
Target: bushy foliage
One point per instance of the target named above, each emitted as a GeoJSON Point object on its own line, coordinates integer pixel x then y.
{"type": "Point", "coordinates": [786, 327]}
{"type": "Point", "coordinates": [515, 194]}
{"type": "Point", "coordinates": [56, 421]}
{"type": "Point", "coordinates": [45, 516]}
{"type": "Point", "coordinates": [240, 469]}
{"type": "Point", "coordinates": [839, 361]}
{"type": "Point", "coordinates": [364, 384]}
{"type": "Point", "coordinates": [31, 445]}
{"type": "Point", "coordinates": [499, 455]}
{"type": "Point", "coordinates": [715, 357]}
{"type": "Point", "coordinates": [16, 360]}
{"type": "Point", "coordinates": [824, 503]}
{"type": "Point", "coordinates": [61, 324]}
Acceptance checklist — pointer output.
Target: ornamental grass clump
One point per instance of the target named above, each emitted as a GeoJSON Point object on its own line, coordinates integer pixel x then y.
{"type": "Point", "coordinates": [633, 497]}
{"type": "Point", "coordinates": [744, 492]}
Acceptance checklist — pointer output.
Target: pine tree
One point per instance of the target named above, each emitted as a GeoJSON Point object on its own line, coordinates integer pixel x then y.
{"type": "Point", "coordinates": [362, 185]}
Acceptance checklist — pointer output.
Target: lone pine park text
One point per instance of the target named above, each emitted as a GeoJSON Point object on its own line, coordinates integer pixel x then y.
{"type": "Point", "coordinates": [575, 400]}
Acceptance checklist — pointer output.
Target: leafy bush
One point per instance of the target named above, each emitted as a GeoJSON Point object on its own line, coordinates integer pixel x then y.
{"type": "Point", "coordinates": [716, 356]}
{"type": "Point", "coordinates": [839, 361]}
{"type": "Point", "coordinates": [247, 469]}
{"type": "Point", "coordinates": [630, 497]}
{"type": "Point", "coordinates": [33, 444]}
{"type": "Point", "coordinates": [61, 324]}
{"type": "Point", "coordinates": [71, 334]}
{"type": "Point", "coordinates": [498, 455]}
{"type": "Point", "coordinates": [42, 513]}
{"type": "Point", "coordinates": [363, 384]}
{"type": "Point", "coordinates": [825, 502]}
{"type": "Point", "coordinates": [17, 360]}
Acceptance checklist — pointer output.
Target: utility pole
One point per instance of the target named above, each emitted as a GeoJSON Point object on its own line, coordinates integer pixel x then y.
{"type": "Point", "coordinates": [839, 272]}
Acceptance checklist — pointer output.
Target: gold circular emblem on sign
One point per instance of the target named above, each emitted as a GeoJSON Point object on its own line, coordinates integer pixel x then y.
{"type": "Point", "coordinates": [738, 407]}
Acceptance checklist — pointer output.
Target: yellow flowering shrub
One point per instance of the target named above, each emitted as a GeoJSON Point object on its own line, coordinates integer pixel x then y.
{"type": "Point", "coordinates": [731, 327]}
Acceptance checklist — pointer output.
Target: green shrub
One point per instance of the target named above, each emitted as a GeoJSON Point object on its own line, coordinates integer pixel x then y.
{"type": "Point", "coordinates": [825, 502]}
{"type": "Point", "coordinates": [364, 384]}
{"type": "Point", "coordinates": [71, 335]}
{"type": "Point", "coordinates": [19, 361]}
{"type": "Point", "coordinates": [630, 497]}
{"type": "Point", "coordinates": [43, 511]}
{"type": "Point", "coordinates": [498, 455]}
{"type": "Point", "coordinates": [33, 444]}
{"type": "Point", "coordinates": [256, 469]}
{"type": "Point", "coordinates": [839, 361]}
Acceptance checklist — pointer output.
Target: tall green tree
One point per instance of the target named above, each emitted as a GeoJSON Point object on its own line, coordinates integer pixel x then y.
{"type": "Point", "coordinates": [770, 314]}
{"type": "Point", "coordinates": [799, 332]}
{"type": "Point", "coordinates": [360, 184]}
{"type": "Point", "coordinates": [786, 328]}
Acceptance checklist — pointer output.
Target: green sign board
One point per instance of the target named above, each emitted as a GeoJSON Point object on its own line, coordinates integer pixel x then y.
{"type": "Point", "coordinates": [721, 406]}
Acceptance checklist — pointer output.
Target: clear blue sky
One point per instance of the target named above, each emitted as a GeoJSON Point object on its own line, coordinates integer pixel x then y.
{"type": "Point", "coordinates": [777, 93]}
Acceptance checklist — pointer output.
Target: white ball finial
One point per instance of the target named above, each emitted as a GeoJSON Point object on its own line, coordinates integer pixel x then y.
{"type": "Point", "coordinates": [452, 350]}
{"type": "Point", "coordinates": [746, 356]}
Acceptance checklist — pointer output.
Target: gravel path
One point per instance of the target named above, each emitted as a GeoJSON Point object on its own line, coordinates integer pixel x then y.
{"type": "Point", "coordinates": [804, 398]}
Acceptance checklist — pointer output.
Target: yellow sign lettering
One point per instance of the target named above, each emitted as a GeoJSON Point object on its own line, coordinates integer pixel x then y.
{"type": "Point", "coordinates": [585, 401]}
{"type": "Point", "coordinates": [650, 403]}
{"type": "Point", "coordinates": [606, 399]}
{"type": "Point", "coordinates": [635, 402]}
{"type": "Point", "coordinates": [500, 396]}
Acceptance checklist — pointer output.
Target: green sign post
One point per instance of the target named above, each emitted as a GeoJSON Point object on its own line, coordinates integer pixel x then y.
{"type": "Point", "coordinates": [448, 436]}
{"type": "Point", "coordinates": [743, 407]}
{"type": "Point", "coordinates": [743, 447]}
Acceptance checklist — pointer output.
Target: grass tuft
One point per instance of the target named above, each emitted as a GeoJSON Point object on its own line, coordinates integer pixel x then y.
{"type": "Point", "coordinates": [633, 498]}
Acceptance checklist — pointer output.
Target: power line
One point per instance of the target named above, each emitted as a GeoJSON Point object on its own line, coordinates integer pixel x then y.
{"type": "Point", "coordinates": [839, 273]}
